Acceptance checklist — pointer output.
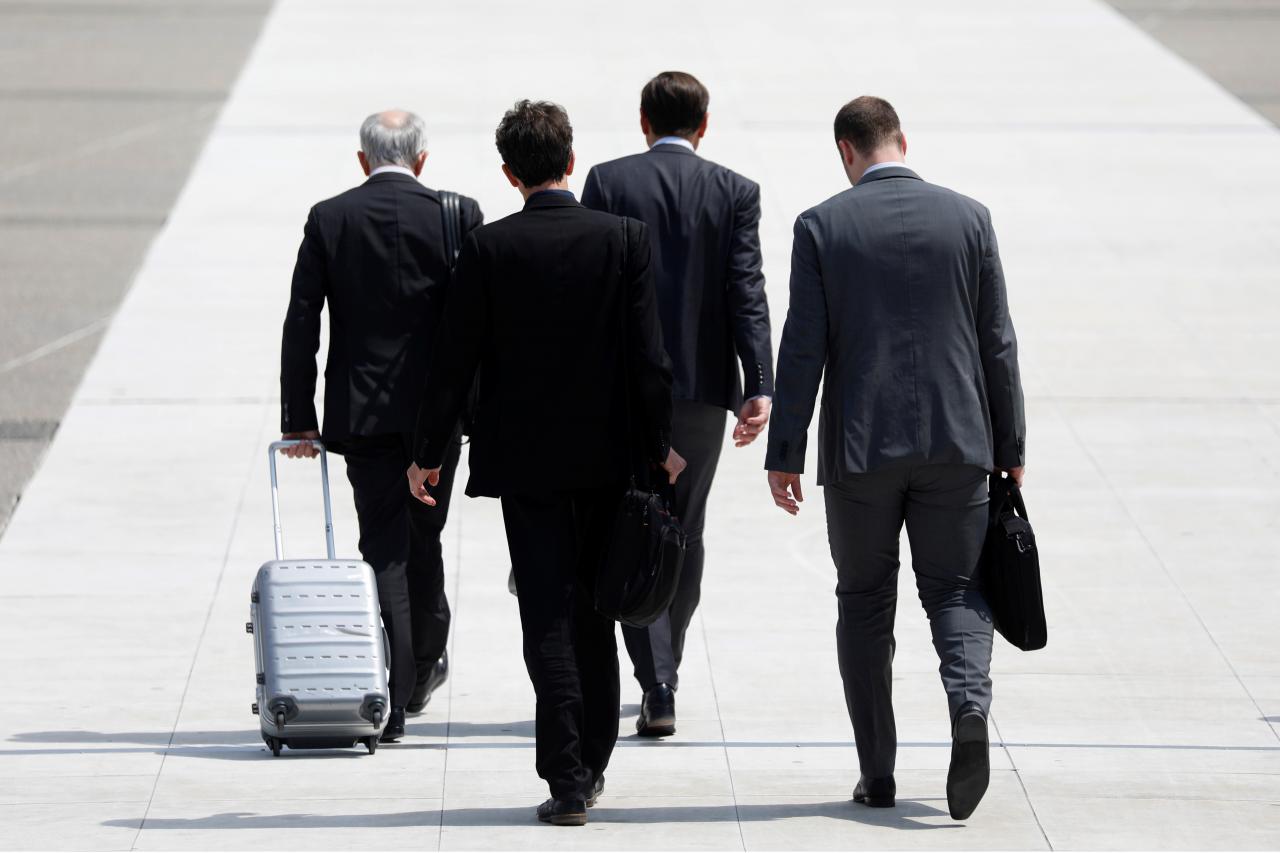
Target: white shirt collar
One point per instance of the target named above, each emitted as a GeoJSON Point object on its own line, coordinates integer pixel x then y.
{"type": "Point", "coordinates": [399, 169]}
{"type": "Point", "coordinates": [673, 140]}
{"type": "Point", "coordinates": [887, 165]}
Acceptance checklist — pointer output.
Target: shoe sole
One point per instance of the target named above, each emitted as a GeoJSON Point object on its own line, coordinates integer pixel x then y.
{"type": "Point", "coordinates": [970, 766]}
{"type": "Point", "coordinates": [876, 802]}
{"type": "Point", "coordinates": [664, 726]}
{"type": "Point", "coordinates": [566, 819]}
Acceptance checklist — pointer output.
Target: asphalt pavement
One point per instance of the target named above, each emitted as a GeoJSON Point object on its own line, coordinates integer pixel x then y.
{"type": "Point", "coordinates": [105, 105]}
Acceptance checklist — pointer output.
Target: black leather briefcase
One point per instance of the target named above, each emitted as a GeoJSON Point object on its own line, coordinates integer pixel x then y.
{"type": "Point", "coordinates": [1011, 569]}
{"type": "Point", "coordinates": [642, 566]}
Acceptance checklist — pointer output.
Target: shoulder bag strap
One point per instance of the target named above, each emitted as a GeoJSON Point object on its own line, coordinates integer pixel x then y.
{"type": "Point", "coordinates": [451, 218]}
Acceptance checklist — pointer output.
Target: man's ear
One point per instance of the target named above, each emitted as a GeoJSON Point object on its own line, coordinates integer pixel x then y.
{"type": "Point", "coordinates": [364, 162]}
{"type": "Point", "coordinates": [902, 139]}
{"type": "Point", "coordinates": [847, 151]}
{"type": "Point", "coordinates": [419, 162]}
{"type": "Point", "coordinates": [645, 127]}
{"type": "Point", "coordinates": [506, 170]}
{"type": "Point", "coordinates": [702, 128]}
{"type": "Point", "coordinates": [569, 169]}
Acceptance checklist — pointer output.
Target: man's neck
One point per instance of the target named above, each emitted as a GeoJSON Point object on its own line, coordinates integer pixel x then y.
{"type": "Point", "coordinates": [559, 184]}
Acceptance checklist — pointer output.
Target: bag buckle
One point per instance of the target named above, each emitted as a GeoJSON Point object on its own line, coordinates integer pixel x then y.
{"type": "Point", "coordinates": [1023, 545]}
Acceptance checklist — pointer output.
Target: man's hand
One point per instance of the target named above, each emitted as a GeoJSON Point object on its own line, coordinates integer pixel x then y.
{"type": "Point", "coordinates": [673, 465]}
{"type": "Point", "coordinates": [1015, 474]}
{"type": "Point", "coordinates": [418, 480]}
{"type": "Point", "coordinates": [786, 490]}
{"type": "Point", "coordinates": [306, 449]}
{"type": "Point", "coordinates": [751, 420]}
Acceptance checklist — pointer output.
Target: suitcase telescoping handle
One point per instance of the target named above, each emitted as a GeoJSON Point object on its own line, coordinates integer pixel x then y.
{"type": "Point", "coordinates": [324, 485]}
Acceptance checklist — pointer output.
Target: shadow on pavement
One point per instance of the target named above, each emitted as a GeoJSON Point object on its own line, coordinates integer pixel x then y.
{"type": "Point", "coordinates": [246, 745]}
{"type": "Point", "coordinates": [905, 816]}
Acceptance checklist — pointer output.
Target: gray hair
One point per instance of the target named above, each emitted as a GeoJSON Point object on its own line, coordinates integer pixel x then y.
{"type": "Point", "coordinates": [393, 138]}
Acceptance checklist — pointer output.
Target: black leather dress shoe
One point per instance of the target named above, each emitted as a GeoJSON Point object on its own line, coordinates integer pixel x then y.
{"type": "Point", "coordinates": [427, 685]}
{"type": "Point", "coordinates": [395, 727]}
{"type": "Point", "coordinates": [596, 790]}
{"type": "Point", "coordinates": [970, 762]}
{"type": "Point", "coordinates": [657, 712]}
{"type": "Point", "coordinates": [877, 793]}
{"type": "Point", "coordinates": [563, 812]}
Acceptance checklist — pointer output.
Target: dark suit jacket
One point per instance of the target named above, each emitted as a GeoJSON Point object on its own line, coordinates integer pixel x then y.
{"type": "Point", "coordinates": [376, 254]}
{"type": "Point", "coordinates": [897, 292]}
{"type": "Point", "coordinates": [538, 306]}
{"type": "Point", "coordinates": [703, 220]}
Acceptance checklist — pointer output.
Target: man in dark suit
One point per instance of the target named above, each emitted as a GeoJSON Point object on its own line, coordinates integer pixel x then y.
{"type": "Point", "coordinates": [897, 293]}
{"type": "Point", "coordinates": [554, 306]}
{"type": "Point", "coordinates": [376, 254]}
{"type": "Point", "coordinates": [703, 222]}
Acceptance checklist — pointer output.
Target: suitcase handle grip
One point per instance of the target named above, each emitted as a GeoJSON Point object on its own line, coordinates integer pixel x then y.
{"type": "Point", "coordinates": [324, 485]}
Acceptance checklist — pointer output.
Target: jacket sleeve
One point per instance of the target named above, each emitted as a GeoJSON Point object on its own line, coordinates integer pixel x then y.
{"type": "Point", "coordinates": [454, 360]}
{"type": "Point", "coordinates": [650, 366]}
{"type": "Point", "coordinates": [593, 192]}
{"type": "Point", "coordinates": [998, 347]}
{"type": "Point", "coordinates": [801, 358]}
{"type": "Point", "coordinates": [748, 306]}
{"type": "Point", "coordinates": [301, 338]}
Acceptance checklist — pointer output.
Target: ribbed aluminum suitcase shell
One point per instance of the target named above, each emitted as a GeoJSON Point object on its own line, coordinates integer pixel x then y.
{"type": "Point", "coordinates": [319, 644]}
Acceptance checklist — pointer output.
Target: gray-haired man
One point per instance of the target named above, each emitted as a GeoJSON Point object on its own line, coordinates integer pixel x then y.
{"type": "Point", "coordinates": [376, 254]}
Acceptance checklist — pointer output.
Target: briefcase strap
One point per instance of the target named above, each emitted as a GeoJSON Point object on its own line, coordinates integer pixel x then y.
{"type": "Point", "coordinates": [1003, 490]}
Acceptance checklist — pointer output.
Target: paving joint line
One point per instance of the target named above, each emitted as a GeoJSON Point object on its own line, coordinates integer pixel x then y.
{"type": "Point", "coordinates": [1021, 783]}
{"type": "Point", "coordinates": [204, 630]}
{"type": "Point", "coordinates": [452, 645]}
{"type": "Point", "coordinates": [1124, 507]}
{"type": "Point", "coordinates": [728, 762]}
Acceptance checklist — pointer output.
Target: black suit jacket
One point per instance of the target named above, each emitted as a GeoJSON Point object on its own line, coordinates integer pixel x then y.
{"type": "Point", "coordinates": [539, 306]}
{"type": "Point", "coordinates": [703, 220]}
{"type": "Point", "coordinates": [898, 294]}
{"type": "Point", "coordinates": [376, 254]}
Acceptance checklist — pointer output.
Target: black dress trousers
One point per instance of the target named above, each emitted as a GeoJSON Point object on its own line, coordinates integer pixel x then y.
{"type": "Point", "coordinates": [697, 434]}
{"type": "Point", "coordinates": [557, 542]}
{"type": "Point", "coordinates": [400, 539]}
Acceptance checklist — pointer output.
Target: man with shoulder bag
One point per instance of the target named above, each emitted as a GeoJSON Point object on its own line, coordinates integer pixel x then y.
{"type": "Point", "coordinates": [536, 309]}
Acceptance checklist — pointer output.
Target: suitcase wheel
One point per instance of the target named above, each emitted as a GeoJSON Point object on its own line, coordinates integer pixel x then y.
{"type": "Point", "coordinates": [371, 744]}
{"type": "Point", "coordinates": [274, 745]}
{"type": "Point", "coordinates": [280, 720]}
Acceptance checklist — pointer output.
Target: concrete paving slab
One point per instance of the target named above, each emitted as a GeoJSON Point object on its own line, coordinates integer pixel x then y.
{"type": "Point", "coordinates": [1145, 311]}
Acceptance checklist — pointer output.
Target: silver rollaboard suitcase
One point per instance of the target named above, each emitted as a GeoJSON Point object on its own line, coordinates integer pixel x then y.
{"type": "Point", "coordinates": [320, 646]}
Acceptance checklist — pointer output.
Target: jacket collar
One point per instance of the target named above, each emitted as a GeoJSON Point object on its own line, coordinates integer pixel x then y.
{"type": "Point", "coordinates": [673, 148]}
{"type": "Point", "coordinates": [550, 199]}
{"type": "Point", "coordinates": [390, 176]}
{"type": "Point", "coordinates": [888, 172]}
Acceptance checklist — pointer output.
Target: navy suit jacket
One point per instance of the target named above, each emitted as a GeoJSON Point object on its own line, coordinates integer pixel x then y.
{"type": "Point", "coordinates": [704, 225]}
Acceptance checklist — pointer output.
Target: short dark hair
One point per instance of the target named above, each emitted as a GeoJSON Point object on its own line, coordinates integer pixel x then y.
{"type": "Point", "coordinates": [675, 103]}
{"type": "Point", "coordinates": [535, 140]}
{"type": "Point", "coordinates": [868, 123]}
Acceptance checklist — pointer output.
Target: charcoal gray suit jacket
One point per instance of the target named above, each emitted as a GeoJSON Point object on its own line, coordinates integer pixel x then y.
{"type": "Point", "coordinates": [897, 294]}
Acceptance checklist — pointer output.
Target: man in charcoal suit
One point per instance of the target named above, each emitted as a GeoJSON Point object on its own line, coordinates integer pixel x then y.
{"type": "Point", "coordinates": [554, 307]}
{"type": "Point", "coordinates": [376, 254]}
{"type": "Point", "coordinates": [703, 221]}
{"type": "Point", "coordinates": [897, 294]}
